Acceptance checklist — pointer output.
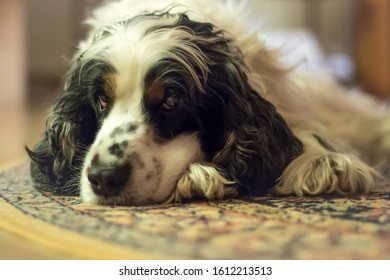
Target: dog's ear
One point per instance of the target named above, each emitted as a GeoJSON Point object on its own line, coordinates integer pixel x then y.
{"type": "Point", "coordinates": [249, 139]}
{"type": "Point", "coordinates": [70, 129]}
{"type": "Point", "coordinates": [56, 159]}
{"type": "Point", "coordinates": [256, 143]}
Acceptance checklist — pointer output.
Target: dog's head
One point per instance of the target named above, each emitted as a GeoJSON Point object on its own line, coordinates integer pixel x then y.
{"type": "Point", "coordinates": [148, 96]}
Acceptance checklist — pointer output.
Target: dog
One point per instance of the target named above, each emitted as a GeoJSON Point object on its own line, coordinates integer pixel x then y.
{"type": "Point", "coordinates": [168, 100]}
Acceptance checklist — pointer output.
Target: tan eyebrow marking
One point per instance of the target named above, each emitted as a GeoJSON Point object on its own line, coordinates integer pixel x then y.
{"type": "Point", "coordinates": [109, 85]}
{"type": "Point", "coordinates": [154, 93]}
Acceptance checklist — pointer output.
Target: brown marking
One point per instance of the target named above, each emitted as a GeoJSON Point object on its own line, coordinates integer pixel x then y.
{"type": "Point", "coordinates": [154, 93]}
{"type": "Point", "coordinates": [109, 85]}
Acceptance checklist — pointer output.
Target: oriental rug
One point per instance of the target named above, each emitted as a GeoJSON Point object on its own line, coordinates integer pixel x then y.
{"type": "Point", "coordinates": [267, 227]}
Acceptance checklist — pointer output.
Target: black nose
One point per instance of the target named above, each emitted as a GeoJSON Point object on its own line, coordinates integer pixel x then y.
{"type": "Point", "coordinates": [108, 180]}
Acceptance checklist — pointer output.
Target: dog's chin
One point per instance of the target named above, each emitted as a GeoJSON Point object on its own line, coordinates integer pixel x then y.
{"type": "Point", "coordinates": [139, 193]}
{"type": "Point", "coordinates": [89, 197]}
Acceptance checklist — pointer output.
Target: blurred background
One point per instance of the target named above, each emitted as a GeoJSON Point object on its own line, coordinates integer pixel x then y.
{"type": "Point", "coordinates": [350, 38]}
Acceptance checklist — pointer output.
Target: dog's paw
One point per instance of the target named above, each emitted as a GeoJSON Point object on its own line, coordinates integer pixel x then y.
{"type": "Point", "coordinates": [202, 180]}
{"type": "Point", "coordinates": [326, 173]}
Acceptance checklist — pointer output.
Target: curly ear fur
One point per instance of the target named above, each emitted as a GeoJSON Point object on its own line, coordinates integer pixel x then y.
{"type": "Point", "coordinates": [258, 145]}
{"type": "Point", "coordinates": [56, 159]}
{"type": "Point", "coordinates": [70, 130]}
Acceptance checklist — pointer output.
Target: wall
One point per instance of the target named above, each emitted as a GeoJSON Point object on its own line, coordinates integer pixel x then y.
{"type": "Point", "coordinates": [12, 54]}
{"type": "Point", "coordinates": [50, 37]}
{"type": "Point", "coordinates": [54, 27]}
{"type": "Point", "coordinates": [330, 20]}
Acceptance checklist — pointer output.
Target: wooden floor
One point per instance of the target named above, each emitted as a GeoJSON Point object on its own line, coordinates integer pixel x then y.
{"type": "Point", "coordinates": [13, 247]}
{"type": "Point", "coordinates": [19, 127]}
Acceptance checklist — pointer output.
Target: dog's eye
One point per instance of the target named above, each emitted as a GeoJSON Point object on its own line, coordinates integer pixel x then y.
{"type": "Point", "coordinates": [103, 102]}
{"type": "Point", "coordinates": [169, 104]}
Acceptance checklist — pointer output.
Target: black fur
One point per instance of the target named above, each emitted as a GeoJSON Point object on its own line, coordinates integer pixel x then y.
{"type": "Point", "coordinates": [70, 130]}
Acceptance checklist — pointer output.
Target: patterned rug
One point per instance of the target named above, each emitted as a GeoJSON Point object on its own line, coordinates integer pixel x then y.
{"type": "Point", "coordinates": [268, 227]}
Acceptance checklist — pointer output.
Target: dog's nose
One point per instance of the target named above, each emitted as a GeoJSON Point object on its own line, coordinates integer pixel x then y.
{"type": "Point", "coordinates": [108, 180]}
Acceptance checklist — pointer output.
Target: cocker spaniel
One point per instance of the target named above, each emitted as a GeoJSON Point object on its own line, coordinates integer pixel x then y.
{"type": "Point", "coordinates": [173, 99]}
